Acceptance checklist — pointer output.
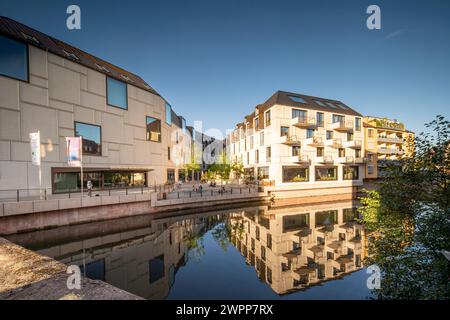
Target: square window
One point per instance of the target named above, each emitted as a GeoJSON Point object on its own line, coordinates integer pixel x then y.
{"type": "Point", "coordinates": [92, 138]}
{"type": "Point", "coordinates": [153, 129]}
{"type": "Point", "coordinates": [13, 59]}
{"type": "Point", "coordinates": [117, 95]}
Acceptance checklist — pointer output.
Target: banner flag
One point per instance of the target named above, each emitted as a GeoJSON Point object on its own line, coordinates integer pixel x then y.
{"type": "Point", "coordinates": [74, 151]}
{"type": "Point", "coordinates": [35, 144]}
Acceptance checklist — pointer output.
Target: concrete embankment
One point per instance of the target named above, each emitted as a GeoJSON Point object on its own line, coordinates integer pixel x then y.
{"type": "Point", "coordinates": [26, 275]}
{"type": "Point", "coordinates": [38, 220]}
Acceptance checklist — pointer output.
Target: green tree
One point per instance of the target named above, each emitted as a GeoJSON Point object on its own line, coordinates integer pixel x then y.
{"type": "Point", "coordinates": [408, 220]}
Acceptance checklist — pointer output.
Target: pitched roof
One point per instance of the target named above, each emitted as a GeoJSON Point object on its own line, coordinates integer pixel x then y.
{"type": "Point", "coordinates": [307, 102]}
{"type": "Point", "coordinates": [38, 39]}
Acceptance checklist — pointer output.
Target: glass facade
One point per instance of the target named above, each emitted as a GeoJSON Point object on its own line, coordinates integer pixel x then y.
{"type": "Point", "coordinates": [92, 138]}
{"type": "Point", "coordinates": [65, 182]}
{"type": "Point", "coordinates": [153, 129]}
{"type": "Point", "coordinates": [295, 174]}
{"type": "Point", "coordinates": [117, 95]}
{"type": "Point", "coordinates": [351, 173]}
{"type": "Point", "coordinates": [326, 173]}
{"type": "Point", "coordinates": [13, 59]}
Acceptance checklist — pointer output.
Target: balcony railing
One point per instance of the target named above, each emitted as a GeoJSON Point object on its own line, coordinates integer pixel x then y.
{"type": "Point", "coordinates": [323, 159]}
{"type": "Point", "coordinates": [390, 139]}
{"type": "Point", "coordinates": [303, 158]}
{"type": "Point", "coordinates": [353, 144]}
{"type": "Point", "coordinates": [304, 122]}
{"type": "Point", "coordinates": [334, 143]}
{"type": "Point", "coordinates": [314, 141]}
{"type": "Point", "coordinates": [290, 140]}
{"type": "Point", "coordinates": [348, 159]}
{"type": "Point", "coordinates": [346, 125]}
{"type": "Point", "coordinates": [390, 151]}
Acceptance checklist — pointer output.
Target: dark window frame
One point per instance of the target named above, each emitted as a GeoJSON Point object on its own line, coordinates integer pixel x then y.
{"type": "Point", "coordinates": [101, 138]}
{"type": "Point", "coordinates": [160, 130]}
{"type": "Point", "coordinates": [27, 45]}
{"type": "Point", "coordinates": [107, 93]}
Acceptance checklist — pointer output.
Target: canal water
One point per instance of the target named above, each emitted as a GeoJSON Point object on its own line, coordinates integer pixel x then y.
{"type": "Point", "coordinates": [264, 252]}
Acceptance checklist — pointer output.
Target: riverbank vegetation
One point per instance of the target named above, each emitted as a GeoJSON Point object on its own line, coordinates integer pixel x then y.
{"type": "Point", "coordinates": [408, 219]}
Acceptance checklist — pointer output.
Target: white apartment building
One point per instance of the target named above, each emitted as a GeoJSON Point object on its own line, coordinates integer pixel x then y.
{"type": "Point", "coordinates": [131, 135]}
{"type": "Point", "coordinates": [294, 141]}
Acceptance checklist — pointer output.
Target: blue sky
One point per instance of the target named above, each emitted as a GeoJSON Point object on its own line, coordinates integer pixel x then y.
{"type": "Point", "coordinates": [215, 60]}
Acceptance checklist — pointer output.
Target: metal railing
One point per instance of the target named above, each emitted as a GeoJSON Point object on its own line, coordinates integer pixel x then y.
{"type": "Point", "coordinates": [18, 195]}
{"type": "Point", "coordinates": [197, 192]}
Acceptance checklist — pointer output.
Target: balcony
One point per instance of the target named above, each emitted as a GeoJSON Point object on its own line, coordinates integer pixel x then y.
{"type": "Point", "coordinates": [304, 158]}
{"type": "Point", "coordinates": [355, 144]}
{"type": "Point", "coordinates": [388, 151]}
{"type": "Point", "coordinates": [344, 126]}
{"type": "Point", "coordinates": [314, 141]}
{"type": "Point", "coordinates": [290, 140]}
{"type": "Point", "coordinates": [334, 143]}
{"type": "Point", "coordinates": [304, 122]}
{"type": "Point", "coordinates": [390, 139]}
{"type": "Point", "coordinates": [323, 159]}
{"type": "Point", "coordinates": [348, 159]}
{"type": "Point", "coordinates": [361, 160]}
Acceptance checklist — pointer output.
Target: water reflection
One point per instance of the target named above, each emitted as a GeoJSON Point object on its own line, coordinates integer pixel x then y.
{"type": "Point", "coordinates": [291, 249]}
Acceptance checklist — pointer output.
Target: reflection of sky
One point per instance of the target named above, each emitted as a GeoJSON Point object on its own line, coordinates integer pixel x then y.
{"type": "Point", "coordinates": [88, 132]}
{"type": "Point", "coordinates": [11, 63]}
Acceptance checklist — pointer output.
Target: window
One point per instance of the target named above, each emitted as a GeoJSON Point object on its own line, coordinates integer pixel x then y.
{"type": "Point", "coordinates": [370, 133]}
{"type": "Point", "coordinates": [319, 119]}
{"type": "Point", "coordinates": [263, 173]}
{"type": "Point", "coordinates": [170, 175]}
{"type": "Point", "coordinates": [94, 270]}
{"type": "Point", "coordinates": [183, 124]}
{"type": "Point", "coordinates": [268, 118]}
{"type": "Point", "coordinates": [296, 151]}
{"type": "Point", "coordinates": [349, 136]}
{"type": "Point", "coordinates": [297, 99]}
{"type": "Point", "coordinates": [320, 103]}
{"type": "Point", "coordinates": [370, 169]}
{"type": "Point", "coordinates": [116, 93]}
{"type": "Point", "coordinates": [285, 131]}
{"type": "Point", "coordinates": [351, 173]}
{"type": "Point", "coordinates": [268, 154]}
{"type": "Point", "coordinates": [257, 156]}
{"type": "Point", "coordinates": [295, 174]}
{"type": "Point", "coordinates": [330, 135]}
{"type": "Point", "coordinates": [156, 269]}
{"type": "Point", "coordinates": [13, 59]}
{"type": "Point", "coordinates": [168, 153]}
{"type": "Point", "coordinates": [261, 139]}
{"type": "Point", "coordinates": [245, 144]}
{"type": "Point", "coordinates": [357, 153]}
{"type": "Point", "coordinates": [295, 222]}
{"type": "Point", "coordinates": [331, 105]}
{"type": "Point", "coordinates": [168, 114]}
{"type": "Point", "coordinates": [341, 152]}
{"type": "Point", "coordinates": [326, 173]}
{"type": "Point", "coordinates": [251, 142]}
{"type": "Point", "coordinates": [92, 138]}
{"type": "Point", "coordinates": [358, 124]}
{"type": "Point", "coordinates": [309, 133]}
{"type": "Point", "coordinates": [153, 129]}
{"type": "Point", "coordinates": [320, 151]}
{"type": "Point", "coordinates": [326, 218]}
{"type": "Point", "coordinates": [338, 118]}
{"type": "Point", "coordinates": [269, 241]}
{"type": "Point", "coordinates": [248, 158]}
{"type": "Point", "coordinates": [340, 105]}
{"type": "Point", "coordinates": [296, 113]}
{"type": "Point", "coordinates": [256, 124]}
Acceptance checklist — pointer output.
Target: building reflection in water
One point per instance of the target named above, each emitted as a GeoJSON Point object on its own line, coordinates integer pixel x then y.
{"type": "Point", "coordinates": [291, 248]}
{"type": "Point", "coordinates": [294, 248]}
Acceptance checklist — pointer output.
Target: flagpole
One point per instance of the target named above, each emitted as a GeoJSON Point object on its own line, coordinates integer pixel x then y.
{"type": "Point", "coordinates": [81, 166]}
{"type": "Point", "coordinates": [40, 171]}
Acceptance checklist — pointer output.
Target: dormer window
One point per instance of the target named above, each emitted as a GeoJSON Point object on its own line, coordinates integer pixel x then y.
{"type": "Point", "coordinates": [126, 78]}
{"type": "Point", "coordinates": [30, 38]}
{"type": "Point", "coordinates": [102, 68]}
{"type": "Point", "coordinates": [70, 55]}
